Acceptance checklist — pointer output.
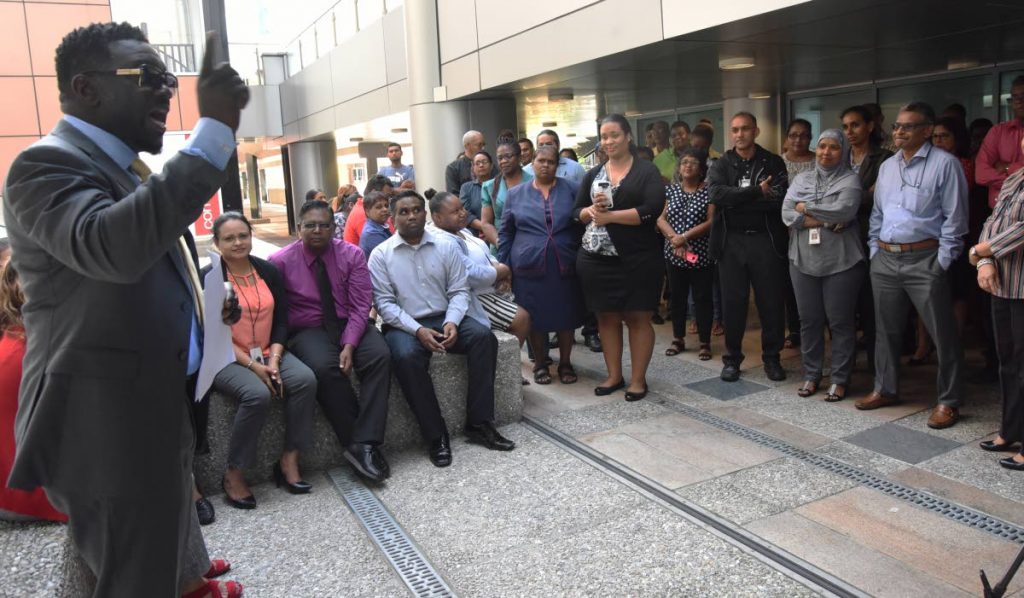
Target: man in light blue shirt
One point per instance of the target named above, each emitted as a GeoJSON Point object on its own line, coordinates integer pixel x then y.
{"type": "Point", "coordinates": [113, 307]}
{"type": "Point", "coordinates": [397, 172]}
{"type": "Point", "coordinates": [422, 294]}
{"type": "Point", "coordinates": [915, 233]}
{"type": "Point", "coordinates": [567, 169]}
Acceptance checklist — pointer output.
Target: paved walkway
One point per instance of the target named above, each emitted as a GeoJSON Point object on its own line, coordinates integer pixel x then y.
{"type": "Point", "coordinates": [703, 488]}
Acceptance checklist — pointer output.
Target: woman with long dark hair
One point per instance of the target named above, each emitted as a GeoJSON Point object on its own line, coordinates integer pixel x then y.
{"type": "Point", "coordinates": [620, 263]}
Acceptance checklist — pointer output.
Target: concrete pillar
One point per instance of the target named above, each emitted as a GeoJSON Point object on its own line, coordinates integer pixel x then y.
{"type": "Point", "coordinates": [437, 127]}
{"type": "Point", "coordinates": [767, 113]}
{"type": "Point", "coordinates": [312, 165]}
{"type": "Point", "coordinates": [252, 171]}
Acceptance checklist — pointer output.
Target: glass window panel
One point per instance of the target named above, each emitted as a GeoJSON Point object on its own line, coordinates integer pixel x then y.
{"type": "Point", "coordinates": [1005, 80]}
{"type": "Point", "coordinates": [823, 111]}
{"type": "Point", "coordinates": [693, 118]}
{"type": "Point", "coordinates": [971, 91]}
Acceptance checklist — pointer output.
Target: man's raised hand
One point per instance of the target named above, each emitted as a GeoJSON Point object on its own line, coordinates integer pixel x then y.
{"type": "Point", "coordinates": [222, 93]}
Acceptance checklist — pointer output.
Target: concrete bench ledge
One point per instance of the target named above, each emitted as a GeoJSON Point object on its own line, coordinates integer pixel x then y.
{"type": "Point", "coordinates": [450, 380]}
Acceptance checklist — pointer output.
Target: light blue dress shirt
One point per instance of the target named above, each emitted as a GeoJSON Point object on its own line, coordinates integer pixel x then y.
{"type": "Point", "coordinates": [923, 199]}
{"type": "Point", "coordinates": [567, 169]}
{"type": "Point", "coordinates": [211, 140]}
{"type": "Point", "coordinates": [411, 282]}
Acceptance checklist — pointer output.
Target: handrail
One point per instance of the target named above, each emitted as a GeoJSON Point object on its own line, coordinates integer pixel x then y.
{"type": "Point", "coordinates": [179, 58]}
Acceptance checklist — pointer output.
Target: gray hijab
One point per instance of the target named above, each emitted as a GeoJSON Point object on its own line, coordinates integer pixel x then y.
{"type": "Point", "coordinates": [815, 184]}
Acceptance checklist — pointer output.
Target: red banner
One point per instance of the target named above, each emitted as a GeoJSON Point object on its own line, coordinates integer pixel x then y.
{"type": "Point", "coordinates": [204, 224]}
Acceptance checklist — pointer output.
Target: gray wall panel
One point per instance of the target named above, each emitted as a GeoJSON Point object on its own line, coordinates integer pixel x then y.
{"type": "Point", "coordinates": [497, 20]}
{"type": "Point", "coordinates": [456, 22]}
{"type": "Point", "coordinates": [358, 65]}
{"type": "Point", "coordinates": [462, 76]}
{"type": "Point", "coordinates": [394, 45]}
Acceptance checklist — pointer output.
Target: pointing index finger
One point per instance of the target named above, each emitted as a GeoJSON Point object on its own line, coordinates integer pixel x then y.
{"type": "Point", "coordinates": [208, 55]}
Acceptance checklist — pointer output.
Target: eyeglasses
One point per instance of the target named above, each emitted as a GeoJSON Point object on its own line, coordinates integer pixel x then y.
{"type": "Point", "coordinates": [311, 226]}
{"type": "Point", "coordinates": [909, 126]}
{"type": "Point", "coordinates": [146, 76]}
{"type": "Point", "coordinates": [1017, 97]}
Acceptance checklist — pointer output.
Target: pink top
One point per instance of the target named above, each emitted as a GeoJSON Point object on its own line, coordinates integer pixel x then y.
{"type": "Point", "coordinates": [257, 304]}
{"type": "Point", "coordinates": [1002, 144]}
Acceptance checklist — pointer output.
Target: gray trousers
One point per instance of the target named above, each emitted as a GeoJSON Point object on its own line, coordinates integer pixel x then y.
{"type": "Point", "coordinates": [833, 299]}
{"type": "Point", "coordinates": [254, 399]}
{"type": "Point", "coordinates": [899, 280]}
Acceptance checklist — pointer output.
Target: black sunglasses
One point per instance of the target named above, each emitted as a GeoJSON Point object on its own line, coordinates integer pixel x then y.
{"type": "Point", "coordinates": [146, 76]}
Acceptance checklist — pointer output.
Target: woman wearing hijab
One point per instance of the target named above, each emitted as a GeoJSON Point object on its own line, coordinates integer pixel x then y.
{"type": "Point", "coordinates": [826, 260]}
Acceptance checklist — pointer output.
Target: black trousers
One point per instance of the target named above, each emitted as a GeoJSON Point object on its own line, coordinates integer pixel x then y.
{"type": "Point", "coordinates": [749, 260]}
{"type": "Point", "coordinates": [681, 281]}
{"type": "Point", "coordinates": [412, 362]}
{"type": "Point", "coordinates": [1008, 324]}
{"type": "Point", "coordinates": [354, 419]}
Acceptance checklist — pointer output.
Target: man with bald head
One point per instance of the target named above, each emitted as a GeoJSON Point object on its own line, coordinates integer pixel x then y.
{"type": "Point", "coordinates": [461, 169]}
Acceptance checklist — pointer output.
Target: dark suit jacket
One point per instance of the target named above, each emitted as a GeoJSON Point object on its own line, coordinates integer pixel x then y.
{"type": "Point", "coordinates": [107, 317]}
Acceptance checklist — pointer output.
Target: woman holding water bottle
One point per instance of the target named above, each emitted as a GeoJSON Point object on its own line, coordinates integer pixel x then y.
{"type": "Point", "coordinates": [620, 263]}
{"type": "Point", "coordinates": [685, 223]}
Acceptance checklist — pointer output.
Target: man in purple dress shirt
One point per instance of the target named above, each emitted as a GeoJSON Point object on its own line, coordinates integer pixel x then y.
{"type": "Point", "coordinates": [320, 271]}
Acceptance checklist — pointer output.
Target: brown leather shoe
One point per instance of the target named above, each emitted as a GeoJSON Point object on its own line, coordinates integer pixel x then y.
{"type": "Point", "coordinates": [943, 417]}
{"type": "Point", "coordinates": [874, 401]}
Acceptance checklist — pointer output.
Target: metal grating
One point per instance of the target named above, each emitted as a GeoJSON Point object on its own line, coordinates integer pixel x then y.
{"type": "Point", "coordinates": [958, 513]}
{"type": "Point", "coordinates": [412, 566]}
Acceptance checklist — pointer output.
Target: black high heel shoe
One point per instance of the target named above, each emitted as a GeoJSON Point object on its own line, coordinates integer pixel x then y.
{"type": "Point", "coordinates": [246, 503]}
{"type": "Point", "coordinates": [300, 487]}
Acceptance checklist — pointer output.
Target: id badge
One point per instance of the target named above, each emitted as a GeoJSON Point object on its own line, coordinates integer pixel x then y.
{"type": "Point", "coordinates": [745, 182]}
{"type": "Point", "coordinates": [256, 354]}
{"type": "Point", "coordinates": [814, 236]}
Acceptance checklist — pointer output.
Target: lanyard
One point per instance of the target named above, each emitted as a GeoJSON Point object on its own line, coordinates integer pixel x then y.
{"type": "Point", "coordinates": [248, 305]}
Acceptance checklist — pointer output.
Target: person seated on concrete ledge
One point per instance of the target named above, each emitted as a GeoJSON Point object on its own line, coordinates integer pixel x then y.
{"type": "Point", "coordinates": [262, 370]}
{"type": "Point", "coordinates": [489, 280]}
{"type": "Point", "coordinates": [421, 292]}
{"type": "Point", "coordinates": [329, 298]}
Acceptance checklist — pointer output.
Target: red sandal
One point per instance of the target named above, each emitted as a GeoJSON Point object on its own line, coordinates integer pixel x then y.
{"type": "Point", "coordinates": [218, 567]}
{"type": "Point", "coordinates": [217, 589]}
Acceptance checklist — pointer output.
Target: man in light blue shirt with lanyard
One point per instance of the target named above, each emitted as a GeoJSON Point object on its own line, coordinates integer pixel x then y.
{"type": "Point", "coordinates": [915, 234]}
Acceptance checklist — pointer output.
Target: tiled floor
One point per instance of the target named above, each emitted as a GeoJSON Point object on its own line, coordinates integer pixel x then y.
{"type": "Point", "coordinates": [905, 444]}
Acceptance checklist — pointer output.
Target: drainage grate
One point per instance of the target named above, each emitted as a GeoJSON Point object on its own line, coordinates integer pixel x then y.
{"type": "Point", "coordinates": [960, 514]}
{"type": "Point", "coordinates": [412, 566]}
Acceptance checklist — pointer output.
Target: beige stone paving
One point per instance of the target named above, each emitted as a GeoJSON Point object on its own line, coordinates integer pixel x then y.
{"type": "Point", "coordinates": [870, 570]}
{"type": "Point", "coordinates": [932, 544]}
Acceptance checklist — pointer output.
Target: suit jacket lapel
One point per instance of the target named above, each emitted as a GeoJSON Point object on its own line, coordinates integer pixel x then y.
{"type": "Point", "coordinates": [126, 183]}
{"type": "Point", "coordinates": [124, 180]}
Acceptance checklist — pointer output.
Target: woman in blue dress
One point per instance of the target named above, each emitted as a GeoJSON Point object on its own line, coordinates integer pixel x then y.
{"type": "Point", "coordinates": [538, 240]}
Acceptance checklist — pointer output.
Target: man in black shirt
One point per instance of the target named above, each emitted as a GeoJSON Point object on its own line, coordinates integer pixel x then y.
{"type": "Point", "coordinates": [749, 240]}
{"type": "Point", "coordinates": [460, 170]}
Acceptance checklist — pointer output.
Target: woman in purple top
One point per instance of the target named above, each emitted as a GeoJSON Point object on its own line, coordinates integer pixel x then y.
{"type": "Point", "coordinates": [538, 240]}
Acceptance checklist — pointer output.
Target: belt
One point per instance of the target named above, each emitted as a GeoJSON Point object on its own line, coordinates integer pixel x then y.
{"type": "Point", "coordinates": [753, 231]}
{"type": "Point", "coordinates": [905, 247]}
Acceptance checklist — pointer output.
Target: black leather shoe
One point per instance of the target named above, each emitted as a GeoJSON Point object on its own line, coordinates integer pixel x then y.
{"type": "Point", "coordinates": [730, 372]}
{"type": "Point", "coordinates": [361, 456]}
{"type": "Point", "coordinates": [441, 451]}
{"type": "Point", "coordinates": [488, 436]}
{"type": "Point", "coordinates": [204, 509]}
{"type": "Point", "coordinates": [245, 503]}
{"type": "Point", "coordinates": [300, 487]}
{"type": "Point", "coordinates": [603, 391]}
{"type": "Point", "coordinates": [381, 462]}
{"type": "Point", "coordinates": [992, 447]}
{"type": "Point", "coordinates": [1010, 463]}
{"type": "Point", "coordinates": [593, 342]}
{"type": "Point", "coordinates": [773, 369]}
{"type": "Point", "coordinates": [636, 396]}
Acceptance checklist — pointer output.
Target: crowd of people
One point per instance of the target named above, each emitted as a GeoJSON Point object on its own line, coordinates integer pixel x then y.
{"type": "Point", "coordinates": [838, 234]}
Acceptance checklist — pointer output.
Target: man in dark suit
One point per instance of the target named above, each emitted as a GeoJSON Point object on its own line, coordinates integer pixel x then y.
{"type": "Point", "coordinates": [112, 316]}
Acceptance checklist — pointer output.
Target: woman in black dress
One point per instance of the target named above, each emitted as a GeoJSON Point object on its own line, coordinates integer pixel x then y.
{"type": "Point", "coordinates": [620, 264]}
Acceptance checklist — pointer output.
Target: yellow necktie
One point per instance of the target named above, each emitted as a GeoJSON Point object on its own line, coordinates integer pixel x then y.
{"type": "Point", "coordinates": [139, 168]}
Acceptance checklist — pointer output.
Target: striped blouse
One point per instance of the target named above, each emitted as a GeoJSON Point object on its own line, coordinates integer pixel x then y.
{"type": "Point", "coordinates": [1004, 230]}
